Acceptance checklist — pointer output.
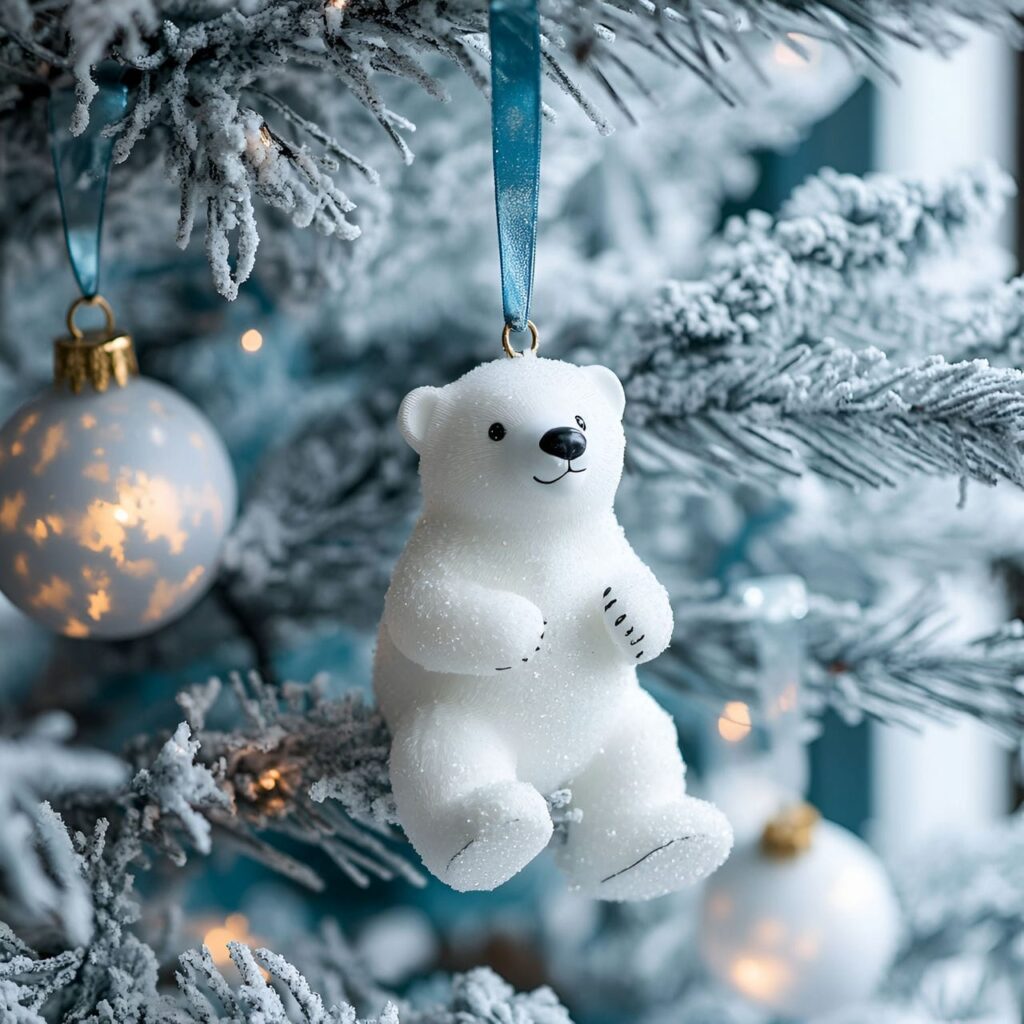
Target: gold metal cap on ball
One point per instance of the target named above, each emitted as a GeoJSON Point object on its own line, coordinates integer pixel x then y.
{"type": "Point", "coordinates": [790, 832]}
{"type": "Point", "coordinates": [95, 357]}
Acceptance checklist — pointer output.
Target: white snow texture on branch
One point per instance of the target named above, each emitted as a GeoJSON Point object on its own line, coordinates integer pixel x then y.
{"type": "Point", "coordinates": [740, 372]}
{"type": "Point", "coordinates": [210, 82]}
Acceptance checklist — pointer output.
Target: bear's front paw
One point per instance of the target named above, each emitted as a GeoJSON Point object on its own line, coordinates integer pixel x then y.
{"type": "Point", "coordinates": [639, 620]}
{"type": "Point", "coordinates": [521, 633]}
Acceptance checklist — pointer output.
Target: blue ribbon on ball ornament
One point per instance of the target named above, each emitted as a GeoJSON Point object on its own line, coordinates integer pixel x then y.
{"type": "Point", "coordinates": [82, 165]}
{"type": "Point", "coordinates": [515, 134]}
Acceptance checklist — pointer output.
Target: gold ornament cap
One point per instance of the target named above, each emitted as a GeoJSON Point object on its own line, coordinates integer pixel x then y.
{"type": "Point", "coordinates": [96, 357]}
{"type": "Point", "coordinates": [790, 832]}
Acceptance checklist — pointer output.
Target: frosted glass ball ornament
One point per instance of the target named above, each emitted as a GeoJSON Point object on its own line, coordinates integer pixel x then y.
{"type": "Point", "coordinates": [804, 922]}
{"type": "Point", "coordinates": [116, 495]}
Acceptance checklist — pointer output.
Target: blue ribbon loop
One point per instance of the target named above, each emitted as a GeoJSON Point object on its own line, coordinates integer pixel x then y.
{"type": "Point", "coordinates": [82, 166]}
{"type": "Point", "coordinates": [515, 135]}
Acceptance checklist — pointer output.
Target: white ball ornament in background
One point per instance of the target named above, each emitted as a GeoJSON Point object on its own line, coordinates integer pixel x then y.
{"type": "Point", "coordinates": [804, 922]}
{"type": "Point", "coordinates": [116, 495]}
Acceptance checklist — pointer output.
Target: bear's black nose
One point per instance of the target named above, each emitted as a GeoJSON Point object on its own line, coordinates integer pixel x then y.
{"type": "Point", "coordinates": [564, 443]}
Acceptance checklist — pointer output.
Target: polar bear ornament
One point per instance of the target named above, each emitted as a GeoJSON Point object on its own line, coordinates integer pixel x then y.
{"type": "Point", "coordinates": [515, 622]}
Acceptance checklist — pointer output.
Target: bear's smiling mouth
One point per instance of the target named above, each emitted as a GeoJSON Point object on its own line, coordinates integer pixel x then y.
{"type": "Point", "coordinates": [568, 470]}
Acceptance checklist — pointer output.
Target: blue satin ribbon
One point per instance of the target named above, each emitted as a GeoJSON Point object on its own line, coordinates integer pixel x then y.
{"type": "Point", "coordinates": [515, 136]}
{"type": "Point", "coordinates": [82, 166]}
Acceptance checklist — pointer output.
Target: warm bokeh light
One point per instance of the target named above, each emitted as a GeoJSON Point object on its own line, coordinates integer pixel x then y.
{"type": "Point", "coordinates": [788, 698]}
{"type": "Point", "coordinates": [791, 57]}
{"type": "Point", "coordinates": [734, 722]}
{"type": "Point", "coordinates": [269, 779]}
{"type": "Point", "coordinates": [769, 931]}
{"type": "Point", "coordinates": [720, 906]}
{"type": "Point", "coordinates": [252, 340]}
{"type": "Point", "coordinates": [758, 977]}
{"type": "Point", "coordinates": [234, 929]}
{"type": "Point", "coordinates": [807, 945]}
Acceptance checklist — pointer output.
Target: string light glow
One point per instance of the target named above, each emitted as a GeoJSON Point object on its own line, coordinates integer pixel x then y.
{"type": "Point", "coordinates": [252, 341]}
{"type": "Point", "coordinates": [758, 977]}
{"type": "Point", "coordinates": [235, 928]}
{"type": "Point", "coordinates": [801, 53]}
{"type": "Point", "coordinates": [734, 723]}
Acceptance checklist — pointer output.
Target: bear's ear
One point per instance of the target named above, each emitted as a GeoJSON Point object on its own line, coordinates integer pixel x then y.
{"type": "Point", "coordinates": [415, 415]}
{"type": "Point", "coordinates": [609, 386]}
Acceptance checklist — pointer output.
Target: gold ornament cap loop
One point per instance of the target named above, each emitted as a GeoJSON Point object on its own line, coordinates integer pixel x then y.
{"type": "Point", "coordinates": [96, 357]}
{"type": "Point", "coordinates": [506, 340]}
{"type": "Point", "coordinates": [89, 300]}
{"type": "Point", "coordinates": [790, 832]}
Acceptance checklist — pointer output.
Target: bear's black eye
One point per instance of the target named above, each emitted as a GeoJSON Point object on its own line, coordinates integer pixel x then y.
{"type": "Point", "coordinates": [496, 431]}
{"type": "Point", "coordinates": [581, 423]}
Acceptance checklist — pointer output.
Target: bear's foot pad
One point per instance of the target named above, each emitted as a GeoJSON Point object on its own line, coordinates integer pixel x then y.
{"type": "Point", "coordinates": [511, 826]}
{"type": "Point", "coordinates": [657, 853]}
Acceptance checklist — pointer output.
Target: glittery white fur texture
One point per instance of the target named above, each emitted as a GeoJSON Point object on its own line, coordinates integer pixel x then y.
{"type": "Point", "coordinates": [512, 631]}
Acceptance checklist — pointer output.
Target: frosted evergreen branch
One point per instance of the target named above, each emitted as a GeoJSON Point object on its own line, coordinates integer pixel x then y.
{"type": "Point", "coordinates": [325, 518]}
{"type": "Point", "coordinates": [852, 417]}
{"type": "Point", "coordinates": [114, 975]}
{"type": "Point", "coordinates": [255, 996]}
{"type": "Point", "coordinates": [774, 280]}
{"type": "Point", "coordinates": [988, 325]}
{"type": "Point", "coordinates": [29, 981]}
{"type": "Point", "coordinates": [967, 893]}
{"type": "Point", "coordinates": [199, 73]}
{"type": "Point", "coordinates": [482, 997]}
{"type": "Point", "coordinates": [36, 883]}
{"type": "Point", "coordinates": [176, 785]}
{"type": "Point", "coordinates": [993, 326]}
{"type": "Point", "coordinates": [477, 997]}
{"type": "Point", "coordinates": [914, 316]}
{"type": "Point", "coordinates": [298, 765]}
{"type": "Point", "coordinates": [884, 663]}
{"type": "Point", "coordinates": [888, 660]}
{"type": "Point", "coordinates": [730, 371]}
{"type": "Point", "coordinates": [303, 766]}
{"type": "Point", "coordinates": [117, 969]}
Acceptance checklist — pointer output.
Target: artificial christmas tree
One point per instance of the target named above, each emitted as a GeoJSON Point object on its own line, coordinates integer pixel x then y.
{"type": "Point", "coordinates": [794, 363]}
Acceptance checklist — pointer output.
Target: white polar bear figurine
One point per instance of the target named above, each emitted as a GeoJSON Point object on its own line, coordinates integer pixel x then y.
{"type": "Point", "coordinates": [512, 631]}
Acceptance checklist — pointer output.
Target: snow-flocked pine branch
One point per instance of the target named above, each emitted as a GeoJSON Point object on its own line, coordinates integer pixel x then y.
{"type": "Point", "coordinates": [890, 664]}
{"type": "Point", "coordinates": [740, 371]}
{"type": "Point", "coordinates": [236, 96]}
{"type": "Point", "coordinates": [324, 520]}
{"type": "Point", "coordinates": [113, 974]}
{"type": "Point", "coordinates": [849, 416]}
{"type": "Point", "coordinates": [777, 280]}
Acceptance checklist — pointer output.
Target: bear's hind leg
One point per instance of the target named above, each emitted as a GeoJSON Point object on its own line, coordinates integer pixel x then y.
{"type": "Point", "coordinates": [473, 823]}
{"type": "Point", "coordinates": [640, 835]}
